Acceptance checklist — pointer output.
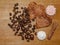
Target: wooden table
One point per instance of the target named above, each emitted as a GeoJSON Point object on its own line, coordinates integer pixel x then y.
{"type": "Point", "coordinates": [7, 35]}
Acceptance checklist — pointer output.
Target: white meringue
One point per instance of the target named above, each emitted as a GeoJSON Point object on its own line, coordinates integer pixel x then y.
{"type": "Point", "coordinates": [41, 35]}
{"type": "Point", "coordinates": [50, 10]}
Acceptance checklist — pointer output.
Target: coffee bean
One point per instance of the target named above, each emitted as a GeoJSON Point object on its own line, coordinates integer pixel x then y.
{"type": "Point", "coordinates": [14, 29]}
{"type": "Point", "coordinates": [10, 25]}
{"type": "Point", "coordinates": [22, 28]}
{"type": "Point", "coordinates": [10, 14]}
{"type": "Point", "coordinates": [18, 28]}
{"type": "Point", "coordinates": [16, 8]}
{"type": "Point", "coordinates": [35, 33]}
{"type": "Point", "coordinates": [28, 40]}
{"type": "Point", "coordinates": [27, 33]}
{"type": "Point", "coordinates": [22, 8]}
{"type": "Point", "coordinates": [20, 33]}
{"type": "Point", "coordinates": [19, 11]}
{"type": "Point", "coordinates": [13, 21]}
{"type": "Point", "coordinates": [16, 33]}
{"type": "Point", "coordinates": [33, 29]}
{"type": "Point", "coordinates": [32, 37]}
{"type": "Point", "coordinates": [22, 37]}
{"type": "Point", "coordinates": [16, 4]}
{"type": "Point", "coordinates": [33, 19]}
{"type": "Point", "coordinates": [10, 18]}
{"type": "Point", "coordinates": [26, 36]}
{"type": "Point", "coordinates": [29, 25]}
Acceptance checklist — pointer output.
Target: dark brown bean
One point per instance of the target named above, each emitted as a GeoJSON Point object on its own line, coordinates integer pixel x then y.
{"type": "Point", "coordinates": [33, 19]}
{"type": "Point", "coordinates": [10, 25]}
{"type": "Point", "coordinates": [28, 40]}
{"type": "Point", "coordinates": [19, 11]}
{"type": "Point", "coordinates": [10, 14]}
{"type": "Point", "coordinates": [35, 33]}
{"type": "Point", "coordinates": [32, 37]}
{"type": "Point", "coordinates": [16, 33]}
{"type": "Point", "coordinates": [26, 36]}
{"type": "Point", "coordinates": [16, 8]}
{"type": "Point", "coordinates": [14, 29]}
{"type": "Point", "coordinates": [33, 29]}
{"type": "Point", "coordinates": [20, 34]}
{"type": "Point", "coordinates": [13, 21]}
{"type": "Point", "coordinates": [27, 33]}
{"type": "Point", "coordinates": [16, 4]}
{"type": "Point", "coordinates": [22, 37]}
{"type": "Point", "coordinates": [29, 25]}
{"type": "Point", "coordinates": [10, 18]}
{"type": "Point", "coordinates": [22, 8]}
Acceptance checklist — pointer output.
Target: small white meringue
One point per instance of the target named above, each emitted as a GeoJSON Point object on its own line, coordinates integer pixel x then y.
{"type": "Point", "coordinates": [50, 10]}
{"type": "Point", "coordinates": [41, 35]}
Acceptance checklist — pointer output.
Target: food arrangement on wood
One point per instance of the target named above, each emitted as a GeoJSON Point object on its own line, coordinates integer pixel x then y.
{"type": "Point", "coordinates": [32, 17]}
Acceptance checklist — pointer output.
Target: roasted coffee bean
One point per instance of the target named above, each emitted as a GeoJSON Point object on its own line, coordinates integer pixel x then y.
{"type": "Point", "coordinates": [14, 16]}
{"type": "Point", "coordinates": [25, 10]}
{"type": "Point", "coordinates": [10, 14]}
{"type": "Point", "coordinates": [16, 33]}
{"type": "Point", "coordinates": [13, 24]}
{"type": "Point", "coordinates": [29, 25]}
{"type": "Point", "coordinates": [19, 16]}
{"type": "Point", "coordinates": [16, 8]}
{"type": "Point", "coordinates": [19, 11]}
{"type": "Point", "coordinates": [26, 15]}
{"type": "Point", "coordinates": [22, 8]}
{"type": "Point", "coordinates": [30, 31]}
{"type": "Point", "coordinates": [33, 29]}
{"type": "Point", "coordinates": [16, 4]}
{"type": "Point", "coordinates": [20, 33]}
{"type": "Point", "coordinates": [15, 13]}
{"type": "Point", "coordinates": [17, 28]}
{"type": "Point", "coordinates": [29, 21]}
{"type": "Point", "coordinates": [13, 21]}
{"type": "Point", "coordinates": [13, 28]}
{"type": "Point", "coordinates": [26, 36]}
{"type": "Point", "coordinates": [32, 37]}
{"type": "Point", "coordinates": [24, 21]}
{"type": "Point", "coordinates": [33, 19]}
{"type": "Point", "coordinates": [35, 33]}
{"type": "Point", "coordinates": [22, 37]}
{"type": "Point", "coordinates": [25, 30]}
{"type": "Point", "coordinates": [28, 40]}
{"type": "Point", "coordinates": [10, 18]}
{"type": "Point", "coordinates": [10, 25]}
{"type": "Point", "coordinates": [22, 28]}
{"type": "Point", "coordinates": [34, 26]}
{"type": "Point", "coordinates": [27, 33]}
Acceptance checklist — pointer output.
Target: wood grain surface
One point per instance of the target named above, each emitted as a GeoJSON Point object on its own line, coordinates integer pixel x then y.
{"type": "Point", "coordinates": [7, 35]}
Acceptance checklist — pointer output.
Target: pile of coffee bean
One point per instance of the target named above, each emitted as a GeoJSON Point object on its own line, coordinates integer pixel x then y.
{"type": "Point", "coordinates": [21, 23]}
